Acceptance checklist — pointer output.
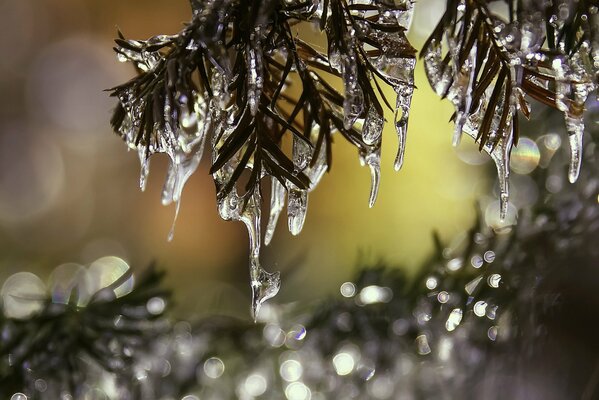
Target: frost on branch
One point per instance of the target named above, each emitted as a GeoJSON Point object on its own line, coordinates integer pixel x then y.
{"type": "Point", "coordinates": [224, 80]}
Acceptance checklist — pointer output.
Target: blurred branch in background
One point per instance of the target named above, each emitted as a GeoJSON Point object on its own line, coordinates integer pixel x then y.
{"type": "Point", "coordinates": [500, 312]}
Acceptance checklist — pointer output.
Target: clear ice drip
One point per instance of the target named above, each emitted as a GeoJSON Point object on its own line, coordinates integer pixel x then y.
{"type": "Point", "coordinates": [353, 103]}
{"type": "Point", "coordinates": [277, 202]}
{"type": "Point", "coordinates": [297, 205]}
{"type": "Point", "coordinates": [438, 76]}
{"type": "Point", "coordinates": [398, 70]}
{"type": "Point", "coordinates": [575, 127]}
{"type": "Point", "coordinates": [581, 83]}
{"type": "Point", "coordinates": [402, 114]}
{"type": "Point", "coordinates": [498, 148]}
{"type": "Point", "coordinates": [264, 285]}
{"type": "Point", "coordinates": [373, 127]}
{"type": "Point", "coordinates": [297, 199]}
{"type": "Point", "coordinates": [373, 160]}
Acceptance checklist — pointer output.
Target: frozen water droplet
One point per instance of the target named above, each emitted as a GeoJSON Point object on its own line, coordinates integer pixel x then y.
{"type": "Point", "coordinates": [373, 127]}
{"type": "Point", "coordinates": [301, 154]}
{"type": "Point", "coordinates": [297, 204]}
{"type": "Point", "coordinates": [373, 160]}
{"type": "Point", "coordinates": [171, 233]}
{"type": "Point", "coordinates": [575, 128]}
{"type": "Point", "coordinates": [145, 167]}
{"type": "Point", "coordinates": [277, 202]}
{"type": "Point", "coordinates": [402, 114]}
{"type": "Point", "coordinates": [264, 285]}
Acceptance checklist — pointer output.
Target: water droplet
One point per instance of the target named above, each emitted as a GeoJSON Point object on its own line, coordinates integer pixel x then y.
{"type": "Point", "coordinates": [156, 305]}
{"type": "Point", "coordinates": [106, 271]}
{"type": "Point", "coordinates": [255, 385]}
{"type": "Point", "coordinates": [214, 367]}
{"type": "Point", "coordinates": [375, 294]}
{"type": "Point", "coordinates": [525, 156]}
{"type": "Point", "coordinates": [70, 282]}
{"type": "Point", "coordinates": [494, 280]}
{"type": "Point", "coordinates": [480, 308]}
{"type": "Point", "coordinates": [489, 256]}
{"type": "Point", "coordinates": [422, 345]}
{"type": "Point", "coordinates": [454, 319]}
{"type": "Point", "coordinates": [291, 370]}
{"type": "Point", "coordinates": [348, 289]}
{"type": "Point", "coordinates": [23, 295]}
{"type": "Point", "coordinates": [476, 261]}
{"type": "Point", "coordinates": [344, 363]}
{"type": "Point", "coordinates": [431, 283]}
{"type": "Point", "coordinates": [443, 297]}
{"type": "Point", "coordinates": [492, 333]}
{"type": "Point", "coordinates": [297, 391]}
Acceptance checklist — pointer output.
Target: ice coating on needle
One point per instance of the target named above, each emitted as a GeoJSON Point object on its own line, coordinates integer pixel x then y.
{"type": "Point", "coordinates": [277, 202]}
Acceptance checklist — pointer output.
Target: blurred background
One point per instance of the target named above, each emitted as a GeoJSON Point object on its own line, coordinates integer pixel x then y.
{"type": "Point", "coordinates": [69, 188]}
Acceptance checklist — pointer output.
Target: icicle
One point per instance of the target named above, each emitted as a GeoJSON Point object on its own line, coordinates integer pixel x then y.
{"type": "Point", "coordinates": [438, 75]}
{"type": "Point", "coordinates": [144, 160]}
{"type": "Point", "coordinates": [301, 154]}
{"type": "Point", "coordinates": [501, 157]}
{"type": "Point", "coordinates": [373, 127]}
{"type": "Point", "coordinates": [575, 128]}
{"type": "Point", "coordinates": [497, 148]}
{"type": "Point", "coordinates": [373, 160]}
{"type": "Point", "coordinates": [353, 103]}
{"type": "Point", "coordinates": [297, 201]}
{"type": "Point", "coordinates": [297, 204]}
{"type": "Point", "coordinates": [171, 233]}
{"type": "Point", "coordinates": [461, 94]}
{"type": "Point", "coordinates": [264, 285]}
{"type": "Point", "coordinates": [277, 202]}
{"type": "Point", "coordinates": [402, 114]}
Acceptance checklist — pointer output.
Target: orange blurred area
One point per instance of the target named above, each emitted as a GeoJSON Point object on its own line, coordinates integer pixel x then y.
{"type": "Point", "coordinates": [69, 188]}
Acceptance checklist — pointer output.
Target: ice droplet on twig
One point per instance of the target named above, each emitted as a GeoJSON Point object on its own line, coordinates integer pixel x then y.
{"type": "Point", "coordinates": [277, 202]}
{"type": "Point", "coordinates": [231, 206]}
{"type": "Point", "coordinates": [144, 161]}
{"type": "Point", "coordinates": [373, 160]}
{"type": "Point", "coordinates": [575, 133]}
{"type": "Point", "coordinates": [297, 205]}
{"type": "Point", "coordinates": [402, 114]}
{"type": "Point", "coordinates": [353, 103]}
{"type": "Point", "coordinates": [373, 127]}
{"type": "Point", "coordinates": [265, 285]}
{"type": "Point", "coordinates": [499, 151]}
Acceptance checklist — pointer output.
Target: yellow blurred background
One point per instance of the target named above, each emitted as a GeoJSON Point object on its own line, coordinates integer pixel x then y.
{"type": "Point", "coordinates": [69, 189]}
